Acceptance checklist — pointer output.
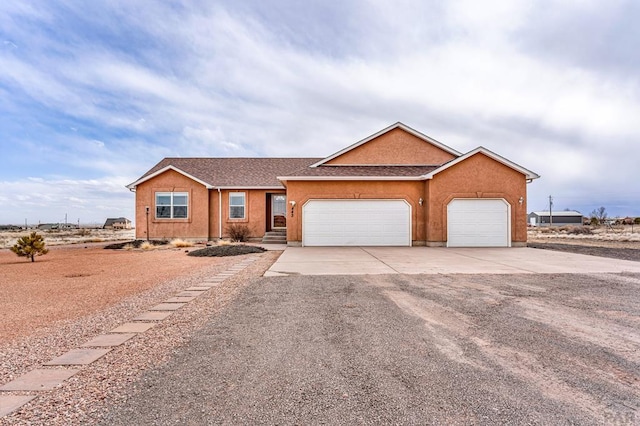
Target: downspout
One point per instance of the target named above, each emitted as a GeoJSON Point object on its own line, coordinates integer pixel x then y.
{"type": "Point", "coordinates": [219, 214]}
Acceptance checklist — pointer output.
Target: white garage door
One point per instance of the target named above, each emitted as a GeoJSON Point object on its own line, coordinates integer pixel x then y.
{"type": "Point", "coordinates": [478, 223]}
{"type": "Point", "coordinates": [356, 223]}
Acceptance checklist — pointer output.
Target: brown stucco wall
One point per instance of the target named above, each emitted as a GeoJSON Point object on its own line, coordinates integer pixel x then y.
{"type": "Point", "coordinates": [196, 226]}
{"type": "Point", "coordinates": [394, 147]}
{"type": "Point", "coordinates": [255, 216]}
{"type": "Point", "coordinates": [477, 177]}
{"type": "Point", "coordinates": [302, 191]}
{"type": "Point", "coordinates": [203, 220]}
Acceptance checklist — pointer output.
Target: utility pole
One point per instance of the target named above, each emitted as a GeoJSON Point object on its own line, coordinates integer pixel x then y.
{"type": "Point", "coordinates": [550, 214]}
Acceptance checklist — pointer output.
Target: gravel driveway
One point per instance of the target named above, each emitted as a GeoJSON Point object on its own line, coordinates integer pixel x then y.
{"type": "Point", "coordinates": [397, 349]}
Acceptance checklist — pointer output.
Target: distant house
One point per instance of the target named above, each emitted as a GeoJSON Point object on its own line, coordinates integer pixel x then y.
{"type": "Point", "coordinates": [559, 218]}
{"type": "Point", "coordinates": [117, 223]}
{"type": "Point", "coordinates": [56, 226]}
{"type": "Point", "coordinates": [624, 220]}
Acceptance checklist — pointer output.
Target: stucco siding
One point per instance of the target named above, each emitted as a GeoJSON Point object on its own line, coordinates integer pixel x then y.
{"type": "Point", "coordinates": [195, 226]}
{"type": "Point", "coordinates": [255, 208]}
{"type": "Point", "coordinates": [303, 191]}
{"type": "Point", "coordinates": [394, 147]}
{"type": "Point", "coordinates": [203, 221]}
{"type": "Point", "coordinates": [477, 177]}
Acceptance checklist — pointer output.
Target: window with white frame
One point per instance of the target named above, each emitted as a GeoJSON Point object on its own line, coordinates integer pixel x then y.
{"type": "Point", "coordinates": [172, 205]}
{"type": "Point", "coordinates": [237, 205]}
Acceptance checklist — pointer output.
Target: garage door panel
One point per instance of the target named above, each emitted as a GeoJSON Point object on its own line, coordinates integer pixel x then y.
{"type": "Point", "coordinates": [356, 223]}
{"type": "Point", "coordinates": [478, 223]}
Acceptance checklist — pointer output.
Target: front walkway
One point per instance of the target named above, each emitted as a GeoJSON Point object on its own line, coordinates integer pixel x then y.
{"type": "Point", "coordinates": [439, 260]}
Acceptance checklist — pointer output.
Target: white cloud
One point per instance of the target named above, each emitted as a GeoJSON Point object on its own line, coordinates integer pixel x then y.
{"type": "Point", "coordinates": [49, 200]}
{"type": "Point", "coordinates": [223, 81]}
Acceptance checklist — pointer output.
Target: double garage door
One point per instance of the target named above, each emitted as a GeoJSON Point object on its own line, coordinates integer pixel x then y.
{"type": "Point", "coordinates": [470, 223]}
{"type": "Point", "coordinates": [356, 223]}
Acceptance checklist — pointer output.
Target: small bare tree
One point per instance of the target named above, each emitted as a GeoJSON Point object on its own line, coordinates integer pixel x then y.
{"type": "Point", "coordinates": [30, 246]}
{"type": "Point", "coordinates": [600, 215]}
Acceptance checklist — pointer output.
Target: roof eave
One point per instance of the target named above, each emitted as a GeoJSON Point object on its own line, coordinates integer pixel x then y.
{"type": "Point", "coordinates": [227, 187]}
{"type": "Point", "coordinates": [482, 150]}
{"type": "Point", "coordinates": [133, 185]}
{"type": "Point", "coordinates": [329, 178]}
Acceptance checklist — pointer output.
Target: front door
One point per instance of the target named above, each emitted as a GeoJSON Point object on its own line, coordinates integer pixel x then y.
{"type": "Point", "coordinates": [278, 211]}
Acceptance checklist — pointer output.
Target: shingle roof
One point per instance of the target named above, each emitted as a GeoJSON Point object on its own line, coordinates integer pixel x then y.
{"type": "Point", "coordinates": [362, 171]}
{"type": "Point", "coordinates": [234, 172]}
{"type": "Point", "coordinates": [558, 213]}
{"type": "Point", "coordinates": [110, 221]}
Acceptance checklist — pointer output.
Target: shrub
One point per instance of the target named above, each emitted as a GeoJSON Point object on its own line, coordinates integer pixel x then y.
{"type": "Point", "coordinates": [30, 246]}
{"type": "Point", "coordinates": [636, 221]}
{"type": "Point", "coordinates": [147, 246]}
{"type": "Point", "coordinates": [181, 243]}
{"type": "Point", "coordinates": [577, 230]}
{"type": "Point", "coordinates": [238, 232]}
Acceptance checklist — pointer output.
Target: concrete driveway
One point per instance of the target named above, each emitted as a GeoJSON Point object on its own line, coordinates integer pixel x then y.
{"type": "Point", "coordinates": [437, 260]}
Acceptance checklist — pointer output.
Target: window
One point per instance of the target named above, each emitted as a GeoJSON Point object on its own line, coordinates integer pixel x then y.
{"type": "Point", "coordinates": [172, 205]}
{"type": "Point", "coordinates": [236, 205]}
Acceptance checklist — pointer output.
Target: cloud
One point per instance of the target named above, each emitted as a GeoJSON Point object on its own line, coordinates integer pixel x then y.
{"type": "Point", "coordinates": [50, 200]}
{"type": "Point", "coordinates": [103, 92]}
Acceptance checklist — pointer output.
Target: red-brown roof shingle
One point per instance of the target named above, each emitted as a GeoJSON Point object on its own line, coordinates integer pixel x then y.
{"type": "Point", "coordinates": [235, 172]}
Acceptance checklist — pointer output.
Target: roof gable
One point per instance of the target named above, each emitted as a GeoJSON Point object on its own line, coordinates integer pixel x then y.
{"type": "Point", "coordinates": [150, 175]}
{"type": "Point", "coordinates": [397, 144]}
{"type": "Point", "coordinates": [481, 150]}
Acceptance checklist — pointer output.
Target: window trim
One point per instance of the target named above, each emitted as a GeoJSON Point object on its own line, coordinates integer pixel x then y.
{"type": "Point", "coordinates": [172, 205]}
{"type": "Point", "coordinates": [244, 205]}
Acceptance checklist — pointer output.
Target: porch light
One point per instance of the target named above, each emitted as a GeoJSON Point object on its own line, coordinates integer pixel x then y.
{"type": "Point", "coordinates": [293, 204]}
{"type": "Point", "coordinates": [420, 201]}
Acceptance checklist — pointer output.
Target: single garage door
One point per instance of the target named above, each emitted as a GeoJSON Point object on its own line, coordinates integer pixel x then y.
{"type": "Point", "coordinates": [478, 223]}
{"type": "Point", "coordinates": [356, 223]}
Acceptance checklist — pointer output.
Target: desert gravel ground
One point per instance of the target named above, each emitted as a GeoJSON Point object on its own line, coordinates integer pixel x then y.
{"type": "Point", "coordinates": [612, 252]}
{"type": "Point", "coordinates": [394, 349]}
{"type": "Point", "coordinates": [92, 291]}
{"type": "Point", "coordinates": [77, 280]}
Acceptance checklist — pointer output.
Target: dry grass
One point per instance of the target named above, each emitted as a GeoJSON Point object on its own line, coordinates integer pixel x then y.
{"type": "Point", "coordinates": [71, 236]}
{"type": "Point", "coordinates": [620, 235]}
{"type": "Point", "coordinates": [147, 246]}
{"type": "Point", "coordinates": [179, 243]}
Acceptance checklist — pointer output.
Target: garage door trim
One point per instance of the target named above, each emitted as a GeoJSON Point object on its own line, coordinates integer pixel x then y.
{"type": "Point", "coordinates": [409, 234]}
{"type": "Point", "coordinates": [508, 218]}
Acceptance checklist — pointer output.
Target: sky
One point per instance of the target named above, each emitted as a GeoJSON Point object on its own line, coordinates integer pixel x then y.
{"type": "Point", "coordinates": [94, 94]}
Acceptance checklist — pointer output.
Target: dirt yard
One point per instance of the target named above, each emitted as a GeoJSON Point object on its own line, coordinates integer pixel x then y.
{"type": "Point", "coordinates": [619, 243]}
{"type": "Point", "coordinates": [521, 349]}
{"type": "Point", "coordinates": [73, 294]}
{"type": "Point", "coordinates": [72, 281]}
{"type": "Point", "coordinates": [614, 237]}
